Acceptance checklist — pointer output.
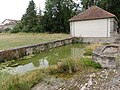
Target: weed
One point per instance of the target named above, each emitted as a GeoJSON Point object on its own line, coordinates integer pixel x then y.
{"type": "Point", "coordinates": [88, 52]}
{"type": "Point", "coordinates": [23, 82]}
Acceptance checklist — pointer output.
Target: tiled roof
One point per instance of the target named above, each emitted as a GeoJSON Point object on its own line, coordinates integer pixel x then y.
{"type": "Point", "coordinates": [10, 20]}
{"type": "Point", "coordinates": [92, 13]}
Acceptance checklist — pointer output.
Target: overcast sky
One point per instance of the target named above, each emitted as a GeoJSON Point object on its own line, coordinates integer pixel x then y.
{"type": "Point", "coordinates": [14, 9]}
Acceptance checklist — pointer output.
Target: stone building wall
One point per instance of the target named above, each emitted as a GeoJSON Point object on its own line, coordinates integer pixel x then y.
{"type": "Point", "coordinates": [99, 39]}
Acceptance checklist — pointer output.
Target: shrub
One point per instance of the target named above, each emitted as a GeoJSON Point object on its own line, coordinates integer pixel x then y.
{"type": "Point", "coordinates": [65, 66]}
{"type": "Point", "coordinates": [88, 62]}
{"type": "Point", "coordinates": [6, 30]}
{"type": "Point", "coordinates": [16, 29]}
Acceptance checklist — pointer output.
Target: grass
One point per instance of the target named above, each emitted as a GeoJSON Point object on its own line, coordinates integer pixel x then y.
{"type": "Point", "coordinates": [88, 62]}
{"type": "Point", "coordinates": [3, 76]}
{"type": "Point", "coordinates": [72, 65]}
{"type": "Point", "coordinates": [66, 67]}
{"type": "Point", "coordinates": [22, 82]}
{"type": "Point", "coordinates": [90, 48]}
{"type": "Point", "coordinates": [8, 40]}
{"type": "Point", "coordinates": [93, 46]}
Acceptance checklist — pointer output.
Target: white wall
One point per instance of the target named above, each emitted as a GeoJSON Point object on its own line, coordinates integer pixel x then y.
{"type": "Point", "coordinates": [90, 28]}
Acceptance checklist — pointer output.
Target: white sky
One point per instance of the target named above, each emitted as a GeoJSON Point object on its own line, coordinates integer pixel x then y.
{"type": "Point", "coordinates": [14, 9]}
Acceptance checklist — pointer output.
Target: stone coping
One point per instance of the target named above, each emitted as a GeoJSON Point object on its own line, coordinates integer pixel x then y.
{"type": "Point", "coordinates": [19, 52]}
{"type": "Point", "coordinates": [26, 46]}
{"type": "Point", "coordinates": [99, 50]}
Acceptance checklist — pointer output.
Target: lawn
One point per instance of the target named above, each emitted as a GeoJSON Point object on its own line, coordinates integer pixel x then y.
{"type": "Point", "coordinates": [8, 40]}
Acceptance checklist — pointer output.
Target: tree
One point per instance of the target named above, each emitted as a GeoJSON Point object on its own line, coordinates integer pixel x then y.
{"type": "Point", "coordinates": [113, 6]}
{"type": "Point", "coordinates": [39, 22]}
{"type": "Point", "coordinates": [29, 19]}
{"type": "Point", "coordinates": [56, 15]}
{"type": "Point", "coordinates": [88, 3]}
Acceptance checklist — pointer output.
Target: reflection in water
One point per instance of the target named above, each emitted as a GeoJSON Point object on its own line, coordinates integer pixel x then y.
{"type": "Point", "coordinates": [44, 62]}
{"type": "Point", "coordinates": [48, 58]}
{"type": "Point", "coordinates": [76, 52]}
{"type": "Point", "coordinates": [23, 69]}
{"type": "Point", "coordinates": [28, 67]}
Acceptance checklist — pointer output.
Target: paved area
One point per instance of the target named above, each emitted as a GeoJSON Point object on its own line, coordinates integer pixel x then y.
{"type": "Point", "coordinates": [107, 79]}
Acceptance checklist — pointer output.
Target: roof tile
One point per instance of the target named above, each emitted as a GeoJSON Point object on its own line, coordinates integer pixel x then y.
{"type": "Point", "coordinates": [92, 13]}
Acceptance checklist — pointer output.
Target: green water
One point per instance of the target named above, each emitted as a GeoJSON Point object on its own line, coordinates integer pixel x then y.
{"type": "Point", "coordinates": [47, 58]}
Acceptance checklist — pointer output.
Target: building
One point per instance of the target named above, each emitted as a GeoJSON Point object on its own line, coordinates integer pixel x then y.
{"type": "Point", "coordinates": [94, 22]}
{"type": "Point", "coordinates": [8, 23]}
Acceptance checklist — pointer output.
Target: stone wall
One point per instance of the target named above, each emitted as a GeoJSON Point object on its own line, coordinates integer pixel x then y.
{"type": "Point", "coordinates": [17, 53]}
{"type": "Point", "coordinates": [106, 55]}
{"type": "Point", "coordinates": [99, 39]}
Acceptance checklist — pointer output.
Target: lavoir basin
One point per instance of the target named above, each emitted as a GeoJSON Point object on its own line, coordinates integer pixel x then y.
{"type": "Point", "coordinates": [45, 59]}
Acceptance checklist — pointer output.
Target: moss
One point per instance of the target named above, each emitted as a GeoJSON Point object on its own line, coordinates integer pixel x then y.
{"type": "Point", "coordinates": [88, 62]}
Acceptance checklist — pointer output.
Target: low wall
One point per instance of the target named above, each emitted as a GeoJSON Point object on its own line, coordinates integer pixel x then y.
{"type": "Point", "coordinates": [106, 55]}
{"type": "Point", "coordinates": [17, 53]}
{"type": "Point", "coordinates": [99, 39]}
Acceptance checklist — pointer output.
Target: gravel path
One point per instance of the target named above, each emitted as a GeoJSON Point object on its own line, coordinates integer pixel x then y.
{"type": "Point", "coordinates": [107, 79]}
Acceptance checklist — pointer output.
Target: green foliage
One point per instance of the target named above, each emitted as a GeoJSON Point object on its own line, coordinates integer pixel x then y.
{"type": "Point", "coordinates": [88, 3]}
{"type": "Point", "coordinates": [109, 5]}
{"type": "Point", "coordinates": [17, 28]}
{"type": "Point", "coordinates": [29, 19]}
{"type": "Point", "coordinates": [112, 6]}
{"type": "Point", "coordinates": [65, 66]}
{"type": "Point", "coordinates": [55, 18]}
{"type": "Point", "coordinates": [56, 15]}
{"type": "Point", "coordinates": [88, 62]}
{"type": "Point", "coordinates": [7, 30]}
